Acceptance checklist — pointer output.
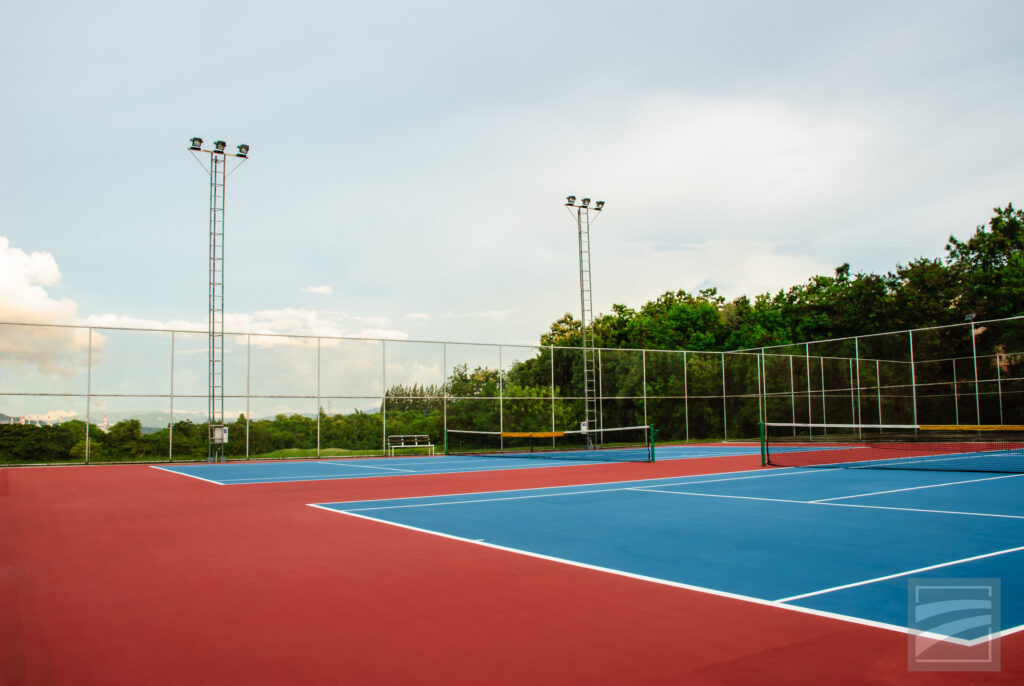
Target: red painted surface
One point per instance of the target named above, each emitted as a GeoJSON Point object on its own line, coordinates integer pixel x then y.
{"type": "Point", "coordinates": [129, 575]}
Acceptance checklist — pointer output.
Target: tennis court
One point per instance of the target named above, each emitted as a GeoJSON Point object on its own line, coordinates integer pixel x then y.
{"type": "Point", "coordinates": [361, 468]}
{"type": "Point", "coordinates": [699, 568]}
{"type": "Point", "coordinates": [837, 542]}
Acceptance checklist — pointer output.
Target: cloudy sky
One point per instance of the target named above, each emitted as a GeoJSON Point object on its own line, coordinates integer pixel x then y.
{"type": "Point", "coordinates": [410, 159]}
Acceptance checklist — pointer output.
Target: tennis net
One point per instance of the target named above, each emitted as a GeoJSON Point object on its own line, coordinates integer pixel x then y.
{"type": "Point", "coordinates": [619, 444]}
{"type": "Point", "coordinates": [959, 448]}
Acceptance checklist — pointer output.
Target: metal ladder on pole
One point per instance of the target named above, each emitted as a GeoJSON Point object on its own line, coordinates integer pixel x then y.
{"type": "Point", "coordinates": [587, 324]}
{"type": "Point", "coordinates": [218, 166]}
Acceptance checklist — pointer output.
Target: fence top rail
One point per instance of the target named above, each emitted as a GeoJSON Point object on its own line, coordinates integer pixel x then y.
{"type": "Point", "coordinates": [760, 350]}
{"type": "Point", "coordinates": [205, 332]}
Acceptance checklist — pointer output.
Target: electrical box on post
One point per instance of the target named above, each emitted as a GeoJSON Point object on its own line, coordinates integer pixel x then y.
{"type": "Point", "coordinates": [219, 434]}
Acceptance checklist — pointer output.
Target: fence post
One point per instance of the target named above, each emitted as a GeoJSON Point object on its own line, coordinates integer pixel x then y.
{"type": "Point", "coordinates": [999, 386]}
{"type": "Point", "coordinates": [551, 348]}
{"type": "Point", "coordinates": [853, 408]}
{"type": "Point", "coordinates": [856, 353]}
{"type": "Point", "coordinates": [501, 404]}
{"type": "Point", "coordinates": [974, 355]}
{"type": "Point", "coordinates": [444, 393]}
{"type": "Point", "coordinates": [643, 354]}
{"type": "Point", "coordinates": [758, 362]}
{"type": "Point", "coordinates": [956, 397]}
{"type": "Point", "coordinates": [686, 400]}
{"type": "Point", "coordinates": [807, 368]}
{"type": "Point", "coordinates": [319, 406]}
{"type": "Point", "coordinates": [792, 395]}
{"type": "Point", "coordinates": [878, 389]}
{"type": "Point", "coordinates": [824, 411]}
{"type": "Point", "coordinates": [725, 415]}
{"type": "Point", "coordinates": [170, 422]}
{"type": "Point", "coordinates": [913, 376]}
{"type": "Point", "coordinates": [248, 390]}
{"type": "Point", "coordinates": [88, 398]}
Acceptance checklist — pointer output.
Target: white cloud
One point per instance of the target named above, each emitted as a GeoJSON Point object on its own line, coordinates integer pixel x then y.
{"type": "Point", "coordinates": [417, 315]}
{"type": "Point", "coordinates": [23, 299]}
{"type": "Point", "coordinates": [23, 277]}
{"type": "Point", "coordinates": [318, 290]}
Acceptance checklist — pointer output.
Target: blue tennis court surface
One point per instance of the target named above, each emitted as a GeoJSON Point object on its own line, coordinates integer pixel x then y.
{"type": "Point", "coordinates": [838, 542]}
{"type": "Point", "coordinates": [361, 468]}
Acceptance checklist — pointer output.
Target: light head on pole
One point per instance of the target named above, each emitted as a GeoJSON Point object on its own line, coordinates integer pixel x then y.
{"type": "Point", "coordinates": [599, 205]}
{"type": "Point", "coordinates": [570, 200]}
{"type": "Point", "coordinates": [197, 143]}
{"type": "Point", "coordinates": [585, 202]}
{"type": "Point", "coordinates": [218, 146]}
{"type": "Point", "coordinates": [243, 150]}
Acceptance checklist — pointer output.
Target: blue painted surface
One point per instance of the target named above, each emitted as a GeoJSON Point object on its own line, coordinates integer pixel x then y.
{"type": "Point", "coordinates": [361, 468]}
{"type": "Point", "coordinates": [888, 599]}
{"type": "Point", "coordinates": [759, 534]}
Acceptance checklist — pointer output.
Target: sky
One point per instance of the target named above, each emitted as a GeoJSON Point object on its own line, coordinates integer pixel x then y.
{"type": "Point", "coordinates": [409, 160]}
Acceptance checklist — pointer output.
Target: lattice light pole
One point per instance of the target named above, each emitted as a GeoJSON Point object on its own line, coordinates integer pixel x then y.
{"type": "Point", "coordinates": [581, 213]}
{"type": "Point", "coordinates": [217, 431]}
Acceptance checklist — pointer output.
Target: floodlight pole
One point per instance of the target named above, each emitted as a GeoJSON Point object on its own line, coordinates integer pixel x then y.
{"type": "Point", "coordinates": [217, 433]}
{"type": "Point", "coordinates": [581, 213]}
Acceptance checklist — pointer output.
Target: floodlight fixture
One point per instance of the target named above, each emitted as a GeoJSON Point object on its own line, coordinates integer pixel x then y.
{"type": "Point", "coordinates": [219, 146]}
{"type": "Point", "coordinates": [570, 200]}
{"type": "Point", "coordinates": [243, 150]}
{"type": "Point", "coordinates": [969, 317]}
{"type": "Point", "coordinates": [599, 205]}
{"type": "Point", "coordinates": [585, 202]}
{"type": "Point", "coordinates": [197, 143]}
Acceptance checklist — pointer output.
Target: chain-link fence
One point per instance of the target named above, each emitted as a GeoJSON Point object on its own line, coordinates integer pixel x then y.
{"type": "Point", "coordinates": [143, 393]}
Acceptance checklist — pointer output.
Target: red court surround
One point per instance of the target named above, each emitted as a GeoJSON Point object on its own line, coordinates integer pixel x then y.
{"type": "Point", "coordinates": [126, 574]}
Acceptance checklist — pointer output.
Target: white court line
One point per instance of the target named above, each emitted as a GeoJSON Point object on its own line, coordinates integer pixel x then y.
{"type": "Point", "coordinates": [824, 504]}
{"type": "Point", "coordinates": [886, 462]}
{"type": "Point", "coordinates": [920, 509]}
{"type": "Point", "coordinates": [689, 587]}
{"type": "Point", "coordinates": [899, 574]}
{"type": "Point", "coordinates": [361, 466]}
{"type": "Point", "coordinates": [171, 471]}
{"type": "Point", "coordinates": [619, 486]}
{"type": "Point", "coordinates": [774, 472]}
{"type": "Point", "coordinates": [478, 500]}
{"type": "Point", "coordinates": [718, 495]}
{"type": "Point", "coordinates": [784, 471]}
{"type": "Point", "coordinates": [916, 488]}
{"type": "Point", "coordinates": [340, 477]}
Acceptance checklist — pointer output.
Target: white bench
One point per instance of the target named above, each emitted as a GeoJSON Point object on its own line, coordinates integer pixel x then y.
{"type": "Point", "coordinates": [409, 441]}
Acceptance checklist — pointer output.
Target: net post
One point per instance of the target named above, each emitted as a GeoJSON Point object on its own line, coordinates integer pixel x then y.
{"type": "Point", "coordinates": [764, 444]}
{"type": "Point", "coordinates": [446, 441]}
{"type": "Point", "coordinates": [652, 433]}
